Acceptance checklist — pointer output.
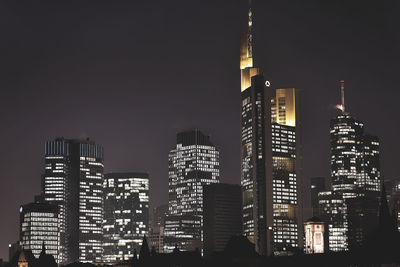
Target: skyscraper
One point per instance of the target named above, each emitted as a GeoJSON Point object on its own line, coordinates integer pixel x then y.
{"type": "Point", "coordinates": [317, 185]}
{"type": "Point", "coordinates": [270, 166]}
{"type": "Point", "coordinates": [286, 177]}
{"type": "Point", "coordinates": [73, 180]}
{"type": "Point", "coordinates": [222, 216]}
{"type": "Point", "coordinates": [193, 163]}
{"type": "Point", "coordinates": [126, 214]}
{"type": "Point", "coordinates": [333, 209]}
{"type": "Point", "coordinates": [355, 176]}
{"type": "Point", "coordinates": [39, 226]}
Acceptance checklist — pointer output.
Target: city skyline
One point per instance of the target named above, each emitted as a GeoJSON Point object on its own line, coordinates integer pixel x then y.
{"type": "Point", "coordinates": [25, 113]}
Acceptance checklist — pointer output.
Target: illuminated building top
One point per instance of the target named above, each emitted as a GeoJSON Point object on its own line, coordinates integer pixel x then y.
{"type": "Point", "coordinates": [284, 107]}
{"type": "Point", "coordinates": [246, 55]}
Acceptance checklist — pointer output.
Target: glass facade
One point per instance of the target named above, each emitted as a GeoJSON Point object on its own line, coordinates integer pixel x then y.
{"type": "Point", "coordinates": [286, 184]}
{"type": "Point", "coordinates": [40, 225]}
{"type": "Point", "coordinates": [193, 163]}
{"type": "Point", "coordinates": [355, 174]}
{"type": "Point", "coordinates": [73, 180]}
{"type": "Point", "coordinates": [126, 214]}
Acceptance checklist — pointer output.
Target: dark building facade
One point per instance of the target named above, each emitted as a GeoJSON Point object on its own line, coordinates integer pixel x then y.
{"type": "Point", "coordinates": [317, 185]}
{"type": "Point", "coordinates": [126, 214]}
{"type": "Point", "coordinates": [193, 163]}
{"type": "Point", "coordinates": [222, 216]}
{"type": "Point", "coordinates": [73, 180]}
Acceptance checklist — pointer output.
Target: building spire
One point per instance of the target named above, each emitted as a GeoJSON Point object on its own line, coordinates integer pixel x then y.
{"type": "Point", "coordinates": [342, 93]}
{"type": "Point", "coordinates": [341, 106]}
{"type": "Point", "coordinates": [250, 32]}
{"type": "Point", "coordinates": [246, 53]}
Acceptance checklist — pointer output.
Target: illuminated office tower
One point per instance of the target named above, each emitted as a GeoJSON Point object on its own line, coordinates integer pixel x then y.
{"type": "Point", "coordinates": [39, 225]}
{"type": "Point", "coordinates": [193, 163]}
{"type": "Point", "coordinates": [255, 103]}
{"type": "Point", "coordinates": [355, 176]}
{"type": "Point", "coordinates": [54, 185]}
{"type": "Point", "coordinates": [287, 218]}
{"type": "Point", "coordinates": [73, 180]}
{"type": "Point", "coordinates": [270, 159]}
{"type": "Point", "coordinates": [333, 209]}
{"type": "Point", "coordinates": [355, 167]}
{"type": "Point", "coordinates": [126, 214]}
{"type": "Point", "coordinates": [369, 180]}
{"type": "Point", "coordinates": [346, 136]}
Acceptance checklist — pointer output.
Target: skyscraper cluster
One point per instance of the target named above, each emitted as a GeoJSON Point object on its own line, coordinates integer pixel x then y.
{"type": "Point", "coordinates": [86, 215]}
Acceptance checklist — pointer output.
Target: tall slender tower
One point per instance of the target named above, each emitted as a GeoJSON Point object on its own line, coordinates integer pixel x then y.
{"type": "Point", "coordinates": [270, 165]}
{"type": "Point", "coordinates": [73, 180]}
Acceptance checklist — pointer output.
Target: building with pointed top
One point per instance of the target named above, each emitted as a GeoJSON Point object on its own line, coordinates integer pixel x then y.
{"type": "Point", "coordinates": [270, 159]}
{"type": "Point", "coordinates": [355, 179]}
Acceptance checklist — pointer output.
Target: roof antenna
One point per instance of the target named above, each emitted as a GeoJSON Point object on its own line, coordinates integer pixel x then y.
{"type": "Point", "coordinates": [341, 107]}
{"type": "Point", "coordinates": [342, 92]}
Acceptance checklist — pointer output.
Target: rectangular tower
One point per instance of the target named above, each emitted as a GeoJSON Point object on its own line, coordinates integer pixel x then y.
{"type": "Point", "coordinates": [287, 213]}
{"type": "Point", "coordinates": [221, 216]}
{"type": "Point", "coordinates": [193, 163]}
{"type": "Point", "coordinates": [39, 226]}
{"type": "Point", "coordinates": [126, 214]}
{"type": "Point", "coordinates": [73, 180]}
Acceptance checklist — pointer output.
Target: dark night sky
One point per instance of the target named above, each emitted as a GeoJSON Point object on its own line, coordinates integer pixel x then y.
{"type": "Point", "coordinates": [130, 74]}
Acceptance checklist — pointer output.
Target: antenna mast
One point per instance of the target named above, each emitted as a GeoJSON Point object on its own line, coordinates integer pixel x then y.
{"type": "Point", "coordinates": [342, 93]}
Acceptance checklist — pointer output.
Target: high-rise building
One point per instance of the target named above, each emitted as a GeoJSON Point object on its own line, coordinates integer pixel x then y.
{"type": "Point", "coordinates": [126, 214]}
{"type": "Point", "coordinates": [355, 174]}
{"type": "Point", "coordinates": [287, 234]}
{"type": "Point", "coordinates": [193, 163]}
{"type": "Point", "coordinates": [333, 210]}
{"type": "Point", "coordinates": [317, 185]}
{"type": "Point", "coordinates": [156, 236]}
{"type": "Point", "coordinates": [222, 216]}
{"type": "Point", "coordinates": [73, 180]}
{"type": "Point", "coordinates": [270, 166]}
{"type": "Point", "coordinates": [355, 167]}
{"type": "Point", "coordinates": [255, 137]}
{"type": "Point", "coordinates": [346, 134]}
{"type": "Point", "coordinates": [39, 226]}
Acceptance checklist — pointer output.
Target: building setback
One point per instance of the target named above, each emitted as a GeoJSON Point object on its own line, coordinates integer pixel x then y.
{"type": "Point", "coordinates": [193, 163]}
{"type": "Point", "coordinates": [73, 180]}
{"type": "Point", "coordinates": [39, 226]}
{"type": "Point", "coordinates": [270, 165]}
{"type": "Point", "coordinates": [355, 178]}
{"type": "Point", "coordinates": [222, 216]}
{"type": "Point", "coordinates": [126, 214]}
